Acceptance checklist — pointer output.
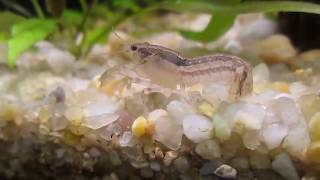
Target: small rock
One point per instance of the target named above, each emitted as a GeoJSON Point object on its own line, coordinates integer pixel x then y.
{"type": "Point", "coordinates": [251, 139]}
{"type": "Point", "coordinates": [99, 121]}
{"type": "Point", "coordinates": [274, 134]}
{"type": "Point", "coordinates": [169, 157]}
{"type": "Point", "coordinates": [261, 73]}
{"type": "Point", "coordinates": [58, 123]}
{"type": "Point", "coordinates": [313, 153]}
{"type": "Point", "coordinates": [222, 129]}
{"type": "Point", "coordinates": [310, 55]}
{"type": "Point", "coordinates": [197, 128]}
{"type": "Point", "coordinates": [240, 163]}
{"type": "Point", "coordinates": [314, 126]}
{"type": "Point", "coordinates": [206, 109]}
{"type": "Point", "coordinates": [286, 109]}
{"type": "Point", "coordinates": [114, 158]}
{"type": "Point", "coordinates": [168, 132]}
{"type": "Point", "coordinates": [154, 165]}
{"type": "Point", "coordinates": [208, 168]}
{"type": "Point", "coordinates": [226, 171]}
{"type": "Point", "coordinates": [179, 110]}
{"type": "Point", "coordinates": [99, 111]}
{"type": "Point", "coordinates": [181, 164]}
{"type": "Point", "coordinates": [249, 117]}
{"type": "Point", "coordinates": [127, 139]}
{"type": "Point", "coordinates": [285, 167]}
{"type": "Point", "coordinates": [259, 161]}
{"type": "Point", "coordinates": [297, 141]}
{"type": "Point", "coordinates": [275, 49]}
{"type": "Point", "coordinates": [158, 153]}
{"type": "Point", "coordinates": [309, 104]}
{"type": "Point", "coordinates": [139, 126]}
{"type": "Point", "coordinates": [208, 149]}
{"type": "Point", "coordinates": [146, 172]}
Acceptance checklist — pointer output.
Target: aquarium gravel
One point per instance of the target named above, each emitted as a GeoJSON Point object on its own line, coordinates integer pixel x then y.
{"type": "Point", "coordinates": [68, 119]}
{"type": "Point", "coordinates": [70, 125]}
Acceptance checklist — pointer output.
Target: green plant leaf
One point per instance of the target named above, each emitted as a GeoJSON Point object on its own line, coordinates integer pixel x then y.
{"type": "Point", "coordinates": [92, 35]}
{"type": "Point", "coordinates": [126, 4]}
{"type": "Point", "coordinates": [8, 19]}
{"type": "Point", "coordinates": [25, 34]}
{"type": "Point", "coordinates": [226, 12]}
{"type": "Point", "coordinates": [71, 17]}
{"type": "Point", "coordinates": [218, 25]}
{"type": "Point", "coordinates": [246, 7]}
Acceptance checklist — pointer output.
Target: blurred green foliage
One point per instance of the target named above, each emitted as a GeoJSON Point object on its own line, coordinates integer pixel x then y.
{"type": "Point", "coordinates": [97, 19]}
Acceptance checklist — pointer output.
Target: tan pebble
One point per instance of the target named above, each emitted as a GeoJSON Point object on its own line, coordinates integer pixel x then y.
{"type": "Point", "coordinates": [314, 127]}
{"type": "Point", "coordinates": [313, 153]}
{"type": "Point", "coordinates": [158, 153]}
{"type": "Point", "coordinates": [169, 157]}
{"type": "Point", "coordinates": [274, 49]}
{"type": "Point", "coordinates": [310, 55]}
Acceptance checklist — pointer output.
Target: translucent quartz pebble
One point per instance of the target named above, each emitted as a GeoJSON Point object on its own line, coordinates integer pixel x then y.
{"type": "Point", "coordinates": [208, 149]}
{"type": "Point", "coordinates": [96, 122]}
{"type": "Point", "coordinates": [179, 110]}
{"type": "Point", "coordinates": [98, 107]}
{"type": "Point", "coordinates": [197, 128]}
{"type": "Point", "coordinates": [58, 123]}
{"type": "Point", "coordinates": [261, 73]}
{"type": "Point", "coordinates": [249, 117]}
{"type": "Point", "coordinates": [100, 112]}
{"type": "Point", "coordinates": [216, 93]}
{"type": "Point", "coordinates": [273, 135]}
{"type": "Point", "coordinates": [110, 130]}
{"type": "Point", "coordinates": [222, 129]}
{"type": "Point", "coordinates": [286, 109]}
{"type": "Point", "coordinates": [285, 167]}
{"type": "Point", "coordinates": [127, 139]}
{"type": "Point", "coordinates": [168, 132]}
{"type": "Point", "coordinates": [297, 141]}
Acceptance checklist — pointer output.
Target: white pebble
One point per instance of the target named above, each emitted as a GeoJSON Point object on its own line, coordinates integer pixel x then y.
{"type": "Point", "coordinates": [197, 128]}
{"type": "Point", "coordinates": [168, 132]}
{"type": "Point", "coordinates": [261, 73]}
{"type": "Point", "coordinates": [179, 110]}
{"type": "Point", "coordinates": [273, 135]}
{"type": "Point", "coordinates": [249, 117]}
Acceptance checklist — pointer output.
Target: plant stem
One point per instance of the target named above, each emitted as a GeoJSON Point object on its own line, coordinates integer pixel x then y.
{"type": "Point", "coordinates": [83, 5]}
{"type": "Point", "coordinates": [38, 9]}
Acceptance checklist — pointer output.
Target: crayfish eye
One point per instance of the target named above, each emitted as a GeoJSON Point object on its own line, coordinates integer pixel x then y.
{"type": "Point", "coordinates": [133, 47]}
